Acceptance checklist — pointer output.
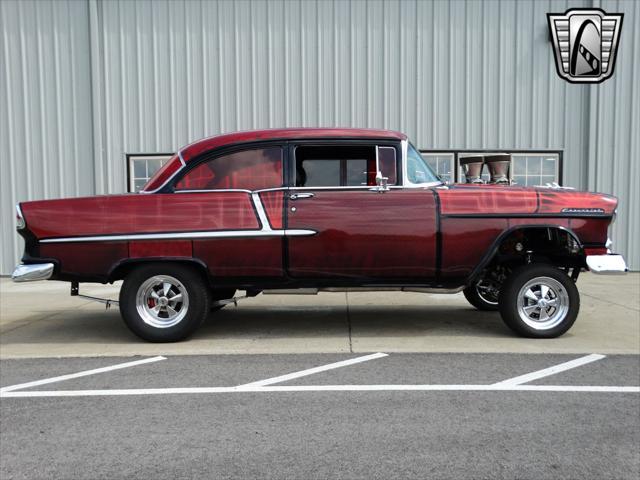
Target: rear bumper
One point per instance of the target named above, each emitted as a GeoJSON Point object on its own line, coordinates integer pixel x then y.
{"type": "Point", "coordinates": [33, 272]}
{"type": "Point", "coordinates": [611, 264]}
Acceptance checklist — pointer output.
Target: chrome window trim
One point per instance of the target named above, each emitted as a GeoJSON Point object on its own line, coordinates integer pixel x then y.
{"type": "Point", "coordinates": [221, 190]}
{"type": "Point", "coordinates": [262, 215]}
{"type": "Point", "coordinates": [184, 164]}
{"type": "Point", "coordinates": [165, 183]}
{"type": "Point", "coordinates": [237, 190]}
{"type": "Point", "coordinates": [354, 187]}
{"type": "Point", "coordinates": [405, 177]}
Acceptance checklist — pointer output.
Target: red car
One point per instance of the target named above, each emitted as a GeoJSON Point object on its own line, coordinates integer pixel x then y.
{"type": "Point", "coordinates": [321, 209]}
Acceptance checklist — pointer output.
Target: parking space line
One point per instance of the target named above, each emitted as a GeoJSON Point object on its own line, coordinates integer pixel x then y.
{"type": "Point", "coordinates": [311, 371]}
{"type": "Point", "coordinates": [325, 388]}
{"type": "Point", "coordinates": [530, 377]}
{"type": "Point", "coordinates": [85, 373]}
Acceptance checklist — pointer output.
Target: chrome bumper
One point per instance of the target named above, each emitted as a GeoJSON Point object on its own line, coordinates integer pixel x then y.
{"type": "Point", "coordinates": [607, 264]}
{"type": "Point", "coordinates": [31, 273]}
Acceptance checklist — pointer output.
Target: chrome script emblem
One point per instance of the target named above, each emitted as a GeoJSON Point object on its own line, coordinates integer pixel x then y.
{"type": "Point", "coordinates": [585, 42]}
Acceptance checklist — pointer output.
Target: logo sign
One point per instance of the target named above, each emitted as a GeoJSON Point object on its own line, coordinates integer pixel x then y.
{"type": "Point", "coordinates": [585, 42]}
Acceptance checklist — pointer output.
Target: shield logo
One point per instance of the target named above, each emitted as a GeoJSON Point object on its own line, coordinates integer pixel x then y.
{"type": "Point", "coordinates": [585, 42]}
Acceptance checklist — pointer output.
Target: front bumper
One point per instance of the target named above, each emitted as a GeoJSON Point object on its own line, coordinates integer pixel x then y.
{"type": "Point", "coordinates": [33, 272]}
{"type": "Point", "coordinates": [611, 264]}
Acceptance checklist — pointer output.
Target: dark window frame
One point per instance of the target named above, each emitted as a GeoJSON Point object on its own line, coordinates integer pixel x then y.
{"type": "Point", "coordinates": [458, 152]}
{"type": "Point", "coordinates": [128, 165]}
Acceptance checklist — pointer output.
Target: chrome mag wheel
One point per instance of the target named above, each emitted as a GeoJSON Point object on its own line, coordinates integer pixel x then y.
{"type": "Point", "coordinates": [487, 291]}
{"type": "Point", "coordinates": [543, 303]}
{"type": "Point", "coordinates": [162, 301]}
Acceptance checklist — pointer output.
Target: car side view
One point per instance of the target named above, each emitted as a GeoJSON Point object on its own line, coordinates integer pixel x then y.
{"type": "Point", "coordinates": [308, 210]}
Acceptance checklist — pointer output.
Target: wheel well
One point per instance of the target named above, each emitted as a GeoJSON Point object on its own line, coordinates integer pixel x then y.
{"type": "Point", "coordinates": [534, 244]}
{"type": "Point", "coordinates": [122, 269]}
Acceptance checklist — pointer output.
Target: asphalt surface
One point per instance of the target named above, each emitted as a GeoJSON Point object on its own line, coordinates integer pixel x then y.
{"type": "Point", "coordinates": [320, 434]}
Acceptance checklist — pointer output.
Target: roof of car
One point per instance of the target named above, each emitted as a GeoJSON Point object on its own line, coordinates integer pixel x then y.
{"type": "Point", "coordinates": [200, 146]}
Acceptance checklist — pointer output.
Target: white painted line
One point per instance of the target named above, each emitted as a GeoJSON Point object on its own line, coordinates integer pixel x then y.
{"type": "Point", "coordinates": [530, 377]}
{"type": "Point", "coordinates": [311, 371]}
{"type": "Point", "coordinates": [325, 388]}
{"type": "Point", "coordinates": [79, 374]}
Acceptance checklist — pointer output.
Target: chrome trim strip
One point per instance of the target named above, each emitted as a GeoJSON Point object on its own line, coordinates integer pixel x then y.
{"type": "Point", "coordinates": [222, 190]}
{"type": "Point", "coordinates": [607, 264]}
{"type": "Point", "coordinates": [262, 215]}
{"type": "Point", "coordinates": [33, 272]}
{"type": "Point", "coordinates": [184, 164]}
{"type": "Point", "coordinates": [354, 187]}
{"type": "Point", "coordinates": [404, 148]}
{"type": "Point", "coordinates": [192, 235]}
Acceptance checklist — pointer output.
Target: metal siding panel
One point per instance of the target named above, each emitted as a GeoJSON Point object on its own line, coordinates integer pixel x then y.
{"type": "Point", "coordinates": [46, 125]}
{"type": "Point", "coordinates": [87, 82]}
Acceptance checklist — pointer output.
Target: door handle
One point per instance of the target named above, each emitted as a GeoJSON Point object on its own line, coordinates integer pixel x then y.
{"type": "Point", "coordinates": [297, 196]}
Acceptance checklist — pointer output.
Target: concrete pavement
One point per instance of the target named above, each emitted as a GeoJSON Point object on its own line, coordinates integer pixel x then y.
{"type": "Point", "coordinates": [42, 320]}
{"type": "Point", "coordinates": [322, 433]}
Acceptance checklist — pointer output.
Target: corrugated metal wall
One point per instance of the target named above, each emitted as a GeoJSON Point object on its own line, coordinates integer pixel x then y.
{"type": "Point", "coordinates": [83, 83]}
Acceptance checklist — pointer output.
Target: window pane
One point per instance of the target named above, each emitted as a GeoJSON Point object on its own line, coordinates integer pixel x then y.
{"type": "Point", "coordinates": [519, 165]}
{"type": "Point", "coordinates": [249, 170]}
{"type": "Point", "coordinates": [335, 165]}
{"type": "Point", "coordinates": [387, 164]}
{"type": "Point", "coordinates": [520, 179]}
{"type": "Point", "coordinates": [440, 164]}
{"type": "Point", "coordinates": [140, 168]}
{"type": "Point", "coordinates": [319, 173]}
{"type": "Point", "coordinates": [139, 183]}
{"type": "Point", "coordinates": [356, 172]}
{"type": "Point", "coordinates": [549, 166]}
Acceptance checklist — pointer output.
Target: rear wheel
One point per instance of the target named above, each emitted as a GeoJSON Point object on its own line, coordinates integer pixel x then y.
{"type": "Point", "coordinates": [482, 295]}
{"type": "Point", "coordinates": [164, 302]}
{"type": "Point", "coordinates": [539, 301]}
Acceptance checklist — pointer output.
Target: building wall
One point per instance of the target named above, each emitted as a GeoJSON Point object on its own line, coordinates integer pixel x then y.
{"type": "Point", "coordinates": [85, 82]}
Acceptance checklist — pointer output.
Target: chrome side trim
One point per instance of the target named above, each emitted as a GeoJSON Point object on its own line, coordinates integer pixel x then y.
{"type": "Point", "coordinates": [262, 215]}
{"type": "Point", "coordinates": [222, 190]}
{"type": "Point", "coordinates": [612, 264]}
{"type": "Point", "coordinates": [192, 235]}
{"type": "Point", "coordinates": [32, 273]}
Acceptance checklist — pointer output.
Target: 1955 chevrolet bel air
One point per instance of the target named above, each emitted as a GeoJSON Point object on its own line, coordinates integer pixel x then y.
{"type": "Point", "coordinates": [307, 210]}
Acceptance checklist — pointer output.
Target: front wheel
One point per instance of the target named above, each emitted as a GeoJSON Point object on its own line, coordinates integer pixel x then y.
{"type": "Point", "coordinates": [539, 301]}
{"type": "Point", "coordinates": [164, 302]}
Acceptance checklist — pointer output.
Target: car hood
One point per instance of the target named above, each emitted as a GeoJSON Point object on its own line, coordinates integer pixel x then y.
{"type": "Point", "coordinates": [499, 199]}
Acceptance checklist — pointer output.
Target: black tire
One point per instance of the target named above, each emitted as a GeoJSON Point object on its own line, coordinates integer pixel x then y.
{"type": "Point", "coordinates": [561, 314]}
{"type": "Point", "coordinates": [477, 300]}
{"type": "Point", "coordinates": [185, 280]}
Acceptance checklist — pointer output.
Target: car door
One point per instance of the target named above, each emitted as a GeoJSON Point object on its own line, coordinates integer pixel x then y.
{"type": "Point", "coordinates": [362, 232]}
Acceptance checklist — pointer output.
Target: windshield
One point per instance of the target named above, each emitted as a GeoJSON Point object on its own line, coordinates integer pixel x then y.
{"type": "Point", "coordinates": [418, 170]}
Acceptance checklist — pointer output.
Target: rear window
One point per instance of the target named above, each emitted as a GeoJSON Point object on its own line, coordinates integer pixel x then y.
{"type": "Point", "coordinates": [253, 169]}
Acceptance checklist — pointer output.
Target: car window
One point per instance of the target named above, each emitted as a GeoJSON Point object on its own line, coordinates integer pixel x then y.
{"type": "Point", "coordinates": [249, 169]}
{"type": "Point", "coordinates": [418, 170]}
{"type": "Point", "coordinates": [343, 165]}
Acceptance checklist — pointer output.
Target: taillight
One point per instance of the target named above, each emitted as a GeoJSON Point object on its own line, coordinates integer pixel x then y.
{"type": "Point", "coordinates": [20, 223]}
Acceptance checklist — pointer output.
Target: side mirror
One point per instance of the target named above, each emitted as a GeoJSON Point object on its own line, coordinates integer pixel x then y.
{"type": "Point", "coordinates": [382, 183]}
